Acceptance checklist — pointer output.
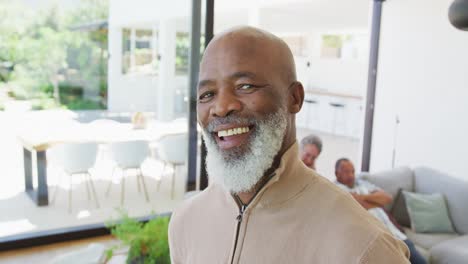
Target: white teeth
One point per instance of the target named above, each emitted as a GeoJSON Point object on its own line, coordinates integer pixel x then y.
{"type": "Point", "coordinates": [233, 131]}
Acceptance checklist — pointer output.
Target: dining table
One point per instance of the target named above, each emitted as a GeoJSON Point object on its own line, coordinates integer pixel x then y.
{"type": "Point", "coordinates": [38, 136]}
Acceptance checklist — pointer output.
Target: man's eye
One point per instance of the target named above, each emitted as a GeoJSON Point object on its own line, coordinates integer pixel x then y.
{"type": "Point", "coordinates": [205, 96]}
{"type": "Point", "coordinates": [246, 86]}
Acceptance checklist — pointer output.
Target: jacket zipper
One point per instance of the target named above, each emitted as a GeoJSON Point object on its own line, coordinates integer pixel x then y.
{"type": "Point", "coordinates": [239, 221]}
{"type": "Point", "coordinates": [240, 216]}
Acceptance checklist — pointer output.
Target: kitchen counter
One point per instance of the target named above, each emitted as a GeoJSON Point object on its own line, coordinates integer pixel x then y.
{"type": "Point", "coordinates": [334, 112]}
{"type": "Point", "coordinates": [335, 94]}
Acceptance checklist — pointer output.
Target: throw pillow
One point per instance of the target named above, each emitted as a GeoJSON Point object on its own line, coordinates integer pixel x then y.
{"type": "Point", "coordinates": [399, 210]}
{"type": "Point", "coordinates": [428, 213]}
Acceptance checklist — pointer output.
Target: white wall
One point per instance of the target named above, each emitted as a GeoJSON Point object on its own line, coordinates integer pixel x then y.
{"type": "Point", "coordinates": [126, 92]}
{"type": "Point", "coordinates": [138, 93]}
{"type": "Point", "coordinates": [133, 92]}
{"type": "Point", "coordinates": [423, 79]}
{"type": "Point", "coordinates": [124, 12]}
{"type": "Point", "coordinates": [337, 75]}
{"type": "Point", "coordinates": [310, 18]}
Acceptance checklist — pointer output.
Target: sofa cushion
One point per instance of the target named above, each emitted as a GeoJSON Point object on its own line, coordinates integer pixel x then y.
{"type": "Point", "coordinates": [455, 191]}
{"type": "Point", "coordinates": [427, 241]}
{"type": "Point", "coordinates": [428, 213]}
{"type": "Point", "coordinates": [423, 252]}
{"type": "Point", "coordinates": [392, 180]}
{"type": "Point", "coordinates": [399, 210]}
{"type": "Point", "coordinates": [453, 251]}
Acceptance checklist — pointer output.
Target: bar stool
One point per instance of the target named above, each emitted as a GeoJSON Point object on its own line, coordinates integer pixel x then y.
{"type": "Point", "coordinates": [311, 105]}
{"type": "Point", "coordinates": [338, 116]}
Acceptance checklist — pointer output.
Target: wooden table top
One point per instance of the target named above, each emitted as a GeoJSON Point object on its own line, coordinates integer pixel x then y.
{"type": "Point", "coordinates": [41, 135]}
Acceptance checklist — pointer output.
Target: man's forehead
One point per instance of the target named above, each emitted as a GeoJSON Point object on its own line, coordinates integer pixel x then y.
{"type": "Point", "coordinates": [238, 50]}
{"type": "Point", "coordinates": [229, 59]}
{"type": "Point", "coordinates": [347, 164]}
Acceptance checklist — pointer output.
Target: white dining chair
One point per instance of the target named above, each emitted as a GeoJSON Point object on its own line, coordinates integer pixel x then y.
{"type": "Point", "coordinates": [104, 125]}
{"type": "Point", "coordinates": [129, 155]}
{"type": "Point", "coordinates": [172, 150]}
{"type": "Point", "coordinates": [76, 159]}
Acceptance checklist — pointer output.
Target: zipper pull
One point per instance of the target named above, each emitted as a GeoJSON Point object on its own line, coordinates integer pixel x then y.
{"type": "Point", "coordinates": [241, 214]}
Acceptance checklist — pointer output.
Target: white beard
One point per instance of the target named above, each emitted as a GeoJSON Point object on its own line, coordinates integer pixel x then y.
{"type": "Point", "coordinates": [239, 170]}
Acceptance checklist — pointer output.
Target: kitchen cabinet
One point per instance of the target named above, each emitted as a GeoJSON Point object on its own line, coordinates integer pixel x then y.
{"type": "Point", "coordinates": [333, 113]}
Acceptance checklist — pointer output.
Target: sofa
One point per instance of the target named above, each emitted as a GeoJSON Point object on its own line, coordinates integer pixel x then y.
{"type": "Point", "coordinates": [446, 248]}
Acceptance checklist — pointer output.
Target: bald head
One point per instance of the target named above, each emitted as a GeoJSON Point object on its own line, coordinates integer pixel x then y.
{"type": "Point", "coordinates": [248, 43]}
{"type": "Point", "coordinates": [248, 82]}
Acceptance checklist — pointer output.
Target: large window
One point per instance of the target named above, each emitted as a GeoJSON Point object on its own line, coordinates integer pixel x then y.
{"type": "Point", "coordinates": [93, 94]}
{"type": "Point", "coordinates": [182, 53]}
{"type": "Point", "coordinates": [343, 46]}
{"type": "Point", "coordinates": [139, 51]}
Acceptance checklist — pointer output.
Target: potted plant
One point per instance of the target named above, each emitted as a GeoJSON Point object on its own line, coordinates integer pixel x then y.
{"type": "Point", "coordinates": [147, 242]}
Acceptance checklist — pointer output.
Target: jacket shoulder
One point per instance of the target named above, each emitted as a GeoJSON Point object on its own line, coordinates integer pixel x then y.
{"type": "Point", "coordinates": [187, 208]}
{"type": "Point", "coordinates": [385, 249]}
{"type": "Point", "coordinates": [376, 243]}
{"type": "Point", "coordinates": [183, 219]}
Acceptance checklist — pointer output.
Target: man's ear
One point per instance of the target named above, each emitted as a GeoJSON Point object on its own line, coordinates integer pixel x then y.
{"type": "Point", "coordinates": [296, 97]}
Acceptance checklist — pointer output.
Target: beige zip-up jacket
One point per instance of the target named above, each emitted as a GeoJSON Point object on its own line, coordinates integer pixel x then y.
{"type": "Point", "coordinates": [297, 217]}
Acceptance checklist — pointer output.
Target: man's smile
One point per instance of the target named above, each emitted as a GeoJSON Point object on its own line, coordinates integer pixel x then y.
{"type": "Point", "coordinates": [233, 131]}
{"type": "Point", "coordinates": [229, 136]}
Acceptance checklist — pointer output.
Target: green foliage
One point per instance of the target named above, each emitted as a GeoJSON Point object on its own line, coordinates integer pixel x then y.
{"type": "Point", "coordinates": [89, 10]}
{"type": "Point", "coordinates": [84, 104]}
{"type": "Point", "coordinates": [70, 93]}
{"type": "Point", "coordinates": [182, 53]}
{"type": "Point", "coordinates": [332, 41]}
{"type": "Point", "coordinates": [44, 103]}
{"type": "Point", "coordinates": [39, 49]}
{"type": "Point", "coordinates": [183, 50]}
{"type": "Point", "coordinates": [46, 89]}
{"type": "Point", "coordinates": [148, 242]}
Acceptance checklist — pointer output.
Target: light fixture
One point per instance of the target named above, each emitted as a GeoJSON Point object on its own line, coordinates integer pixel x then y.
{"type": "Point", "coordinates": [458, 14]}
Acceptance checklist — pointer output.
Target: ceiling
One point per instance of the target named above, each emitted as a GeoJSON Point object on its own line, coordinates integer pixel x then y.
{"type": "Point", "coordinates": [282, 16]}
{"type": "Point", "coordinates": [295, 15]}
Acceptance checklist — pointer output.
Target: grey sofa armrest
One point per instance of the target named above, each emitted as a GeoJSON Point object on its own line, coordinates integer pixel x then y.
{"type": "Point", "coordinates": [454, 189]}
{"type": "Point", "coordinates": [392, 180]}
{"type": "Point", "coordinates": [453, 251]}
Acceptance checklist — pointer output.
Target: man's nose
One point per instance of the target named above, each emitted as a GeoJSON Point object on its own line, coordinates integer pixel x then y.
{"type": "Point", "coordinates": [226, 103]}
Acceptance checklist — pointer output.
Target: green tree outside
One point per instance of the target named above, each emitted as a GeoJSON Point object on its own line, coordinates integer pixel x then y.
{"type": "Point", "coordinates": [47, 58]}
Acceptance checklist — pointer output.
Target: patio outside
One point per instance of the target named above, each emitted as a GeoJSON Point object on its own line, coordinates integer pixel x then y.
{"type": "Point", "coordinates": [53, 78]}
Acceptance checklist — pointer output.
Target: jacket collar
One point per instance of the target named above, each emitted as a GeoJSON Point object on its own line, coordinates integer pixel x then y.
{"type": "Point", "coordinates": [288, 181]}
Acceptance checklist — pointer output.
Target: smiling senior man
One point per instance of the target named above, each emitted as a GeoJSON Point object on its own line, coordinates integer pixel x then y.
{"type": "Point", "coordinates": [263, 205]}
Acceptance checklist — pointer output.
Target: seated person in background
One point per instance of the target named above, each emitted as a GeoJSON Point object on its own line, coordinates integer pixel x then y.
{"type": "Point", "coordinates": [311, 147]}
{"type": "Point", "coordinates": [373, 199]}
